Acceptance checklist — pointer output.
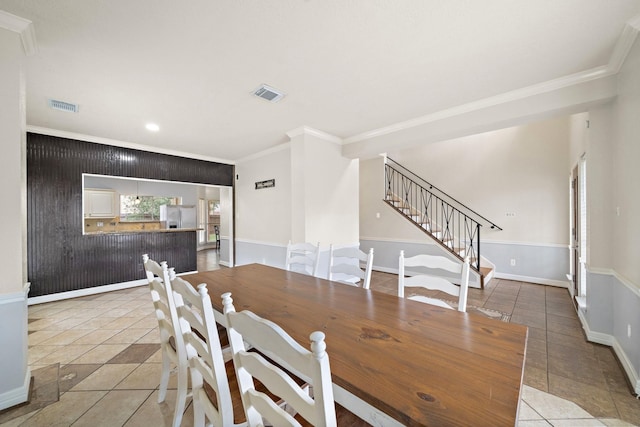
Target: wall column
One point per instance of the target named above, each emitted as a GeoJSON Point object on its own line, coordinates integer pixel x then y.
{"type": "Point", "coordinates": [324, 189]}
{"type": "Point", "coordinates": [14, 375]}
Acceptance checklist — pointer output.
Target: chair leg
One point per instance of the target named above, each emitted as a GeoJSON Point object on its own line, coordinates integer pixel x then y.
{"type": "Point", "coordinates": [181, 396]}
{"type": "Point", "coordinates": [164, 378]}
{"type": "Point", "coordinates": [196, 390]}
{"type": "Point", "coordinates": [198, 412]}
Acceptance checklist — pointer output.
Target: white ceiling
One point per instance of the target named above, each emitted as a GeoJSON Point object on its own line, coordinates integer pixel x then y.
{"type": "Point", "coordinates": [347, 66]}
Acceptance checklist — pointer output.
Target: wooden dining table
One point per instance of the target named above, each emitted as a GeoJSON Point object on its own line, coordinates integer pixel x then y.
{"type": "Point", "coordinates": [393, 361]}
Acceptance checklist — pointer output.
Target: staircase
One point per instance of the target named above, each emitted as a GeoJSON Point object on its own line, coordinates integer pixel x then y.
{"type": "Point", "coordinates": [454, 226]}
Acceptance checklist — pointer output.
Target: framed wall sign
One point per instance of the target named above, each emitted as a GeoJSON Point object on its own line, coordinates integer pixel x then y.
{"type": "Point", "coordinates": [265, 184]}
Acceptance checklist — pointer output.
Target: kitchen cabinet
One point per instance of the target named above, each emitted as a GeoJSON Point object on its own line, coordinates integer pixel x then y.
{"type": "Point", "coordinates": [99, 204]}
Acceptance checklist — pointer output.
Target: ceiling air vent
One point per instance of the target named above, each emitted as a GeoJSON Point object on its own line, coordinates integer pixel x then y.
{"type": "Point", "coordinates": [269, 93]}
{"type": "Point", "coordinates": [63, 106]}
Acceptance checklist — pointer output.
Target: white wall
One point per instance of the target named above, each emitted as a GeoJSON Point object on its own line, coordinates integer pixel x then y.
{"type": "Point", "coordinates": [188, 192]}
{"type": "Point", "coordinates": [315, 199]}
{"type": "Point", "coordinates": [599, 187]}
{"type": "Point", "coordinates": [626, 173]}
{"type": "Point", "coordinates": [521, 170]}
{"type": "Point", "coordinates": [208, 192]}
{"type": "Point", "coordinates": [14, 375]}
{"type": "Point", "coordinates": [264, 215]}
{"type": "Point", "coordinates": [626, 225]}
{"type": "Point", "coordinates": [390, 226]}
{"type": "Point", "coordinates": [226, 227]}
{"type": "Point", "coordinates": [577, 137]}
{"type": "Point", "coordinates": [331, 207]}
{"type": "Point", "coordinates": [612, 312]}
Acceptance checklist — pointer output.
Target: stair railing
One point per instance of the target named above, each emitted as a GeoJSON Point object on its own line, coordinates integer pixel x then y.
{"type": "Point", "coordinates": [453, 225]}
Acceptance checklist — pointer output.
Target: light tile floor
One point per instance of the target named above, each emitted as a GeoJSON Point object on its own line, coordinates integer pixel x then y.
{"type": "Point", "coordinates": [96, 362]}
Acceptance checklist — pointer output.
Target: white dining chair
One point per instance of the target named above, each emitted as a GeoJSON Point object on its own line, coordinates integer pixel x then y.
{"type": "Point", "coordinates": [283, 352]}
{"type": "Point", "coordinates": [345, 266]}
{"type": "Point", "coordinates": [206, 360]}
{"type": "Point", "coordinates": [303, 258]}
{"type": "Point", "coordinates": [171, 342]}
{"type": "Point", "coordinates": [433, 282]}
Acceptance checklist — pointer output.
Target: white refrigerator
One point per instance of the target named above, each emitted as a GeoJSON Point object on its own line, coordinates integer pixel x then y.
{"type": "Point", "coordinates": [178, 216]}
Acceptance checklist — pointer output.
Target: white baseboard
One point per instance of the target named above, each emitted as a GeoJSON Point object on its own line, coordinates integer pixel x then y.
{"type": "Point", "coordinates": [612, 342]}
{"type": "Point", "coordinates": [92, 291]}
{"type": "Point", "coordinates": [529, 279]}
{"type": "Point", "coordinates": [596, 337]}
{"type": "Point", "coordinates": [88, 291]}
{"type": "Point", "coordinates": [627, 365]}
{"type": "Point", "coordinates": [206, 247]}
{"type": "Point", "coordinates": [225, 263]}
{"type": "Point", "coordinates": [385, 269]}
{"type": "Point", "coordinates": [16, 396]}
{"type": "Point", "coordinates": [187, 272]}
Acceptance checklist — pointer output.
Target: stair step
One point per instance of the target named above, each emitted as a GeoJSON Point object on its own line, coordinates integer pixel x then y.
{"type": "Point", "coordinates": [486, 274]}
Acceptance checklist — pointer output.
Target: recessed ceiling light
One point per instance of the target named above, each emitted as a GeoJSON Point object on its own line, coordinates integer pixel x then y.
{"type": "Point", "coordinates": [152, 127]}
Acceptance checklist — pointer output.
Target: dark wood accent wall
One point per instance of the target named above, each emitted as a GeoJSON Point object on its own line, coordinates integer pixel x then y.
{"type": "Point", "coordinates": [60, 257]}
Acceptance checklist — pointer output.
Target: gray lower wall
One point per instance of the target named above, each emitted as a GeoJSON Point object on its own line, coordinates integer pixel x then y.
{"type": "Point", "coordinates": [14, 382]}
{"type": "Point", "coordinates": [546, 265]}
{"type": "Point", "coordinates": [541, 263]}
{"type": "Point", "coordinates": [225, 252]}
{"type": "Point", "coordinates": [537, 264]}
{"type": "Point", "coordinates": [599, 312]}
{"type": "Point", "coordinates": [612, 308]}
{"type": "Point", "coordinates": [274, 255]}
{"type": "Point", "coordinates": [260, 253]}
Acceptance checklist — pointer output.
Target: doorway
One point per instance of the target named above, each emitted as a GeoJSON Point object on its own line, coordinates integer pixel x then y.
{"type": "Point", "coordinates": [579, 230]}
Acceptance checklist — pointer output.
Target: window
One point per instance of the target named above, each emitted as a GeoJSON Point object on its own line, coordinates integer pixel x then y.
{"type": "Point", "coordinates": [214, 207]}
{"type": "Point", "coordinates": [143, 208]}
{"type": "Point", "coordinates": [213, 219]}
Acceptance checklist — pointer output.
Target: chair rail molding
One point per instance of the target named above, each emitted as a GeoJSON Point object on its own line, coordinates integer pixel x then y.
{"type": "Point", "coordinates": [611, 272]}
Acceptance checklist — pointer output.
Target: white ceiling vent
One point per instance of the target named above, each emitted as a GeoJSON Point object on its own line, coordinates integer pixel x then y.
{"type": "Point", "coordinates": [63, 106]}
{"type": "Point", "coordinates": [269, 93]}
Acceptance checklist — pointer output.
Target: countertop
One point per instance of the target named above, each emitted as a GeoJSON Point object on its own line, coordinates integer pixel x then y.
{"type": "Point", "coordinates": [162, 230]}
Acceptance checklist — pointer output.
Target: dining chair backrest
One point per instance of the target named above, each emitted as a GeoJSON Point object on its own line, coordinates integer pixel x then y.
{"type": "Point", "coordinates": [344, 265]}
{"type": "Point", "coordinates": [152, 269]}
{"type": "Point", "coordinates": [205, 355]}
{"type": "Point", "coordinates": [431, 281]}
{"type": "Point", "coordinates": [277, 352]}
{"type": "Point", "coordinates": [303, 258]}
{"type": "Point", "coordinates": [171, 342]}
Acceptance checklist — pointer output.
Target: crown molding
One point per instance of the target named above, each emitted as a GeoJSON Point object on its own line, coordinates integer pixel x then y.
{"type": "Point", "coordinates": [124, 144]}
{"type": "Point", "coordinates": [263, 153]}
{"type": "Point", "coordinates": [618, 56]}
{"type": "Point", "coordinates": [514, 95]}
{"type": "Point", "coordinates": [306, 130]}
{"type": "Point", "coordinates": [22, 26]}
{"type": "Point", "coordinates": [624, 44]}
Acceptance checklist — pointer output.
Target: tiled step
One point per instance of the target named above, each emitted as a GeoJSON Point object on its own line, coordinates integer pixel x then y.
{"type": "Point", "coordinates": [486, 274]}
